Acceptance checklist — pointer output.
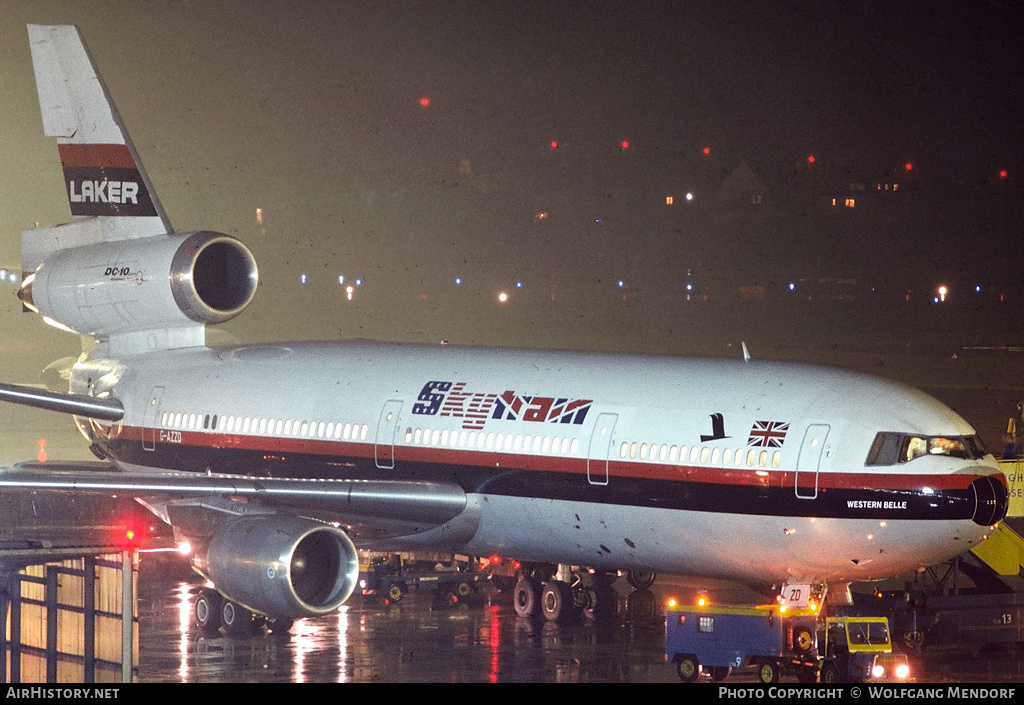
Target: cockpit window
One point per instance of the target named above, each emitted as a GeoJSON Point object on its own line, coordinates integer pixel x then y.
{"type": "Point", "coordinates": [893, 448]}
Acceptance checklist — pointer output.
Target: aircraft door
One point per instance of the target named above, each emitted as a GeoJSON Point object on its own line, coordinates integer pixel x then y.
{"type": "Point", "coordinates": [149, 420]}
{"type": "Point", "coordinates": [807, 464]}
{"type": "Point", "coordinates": [600, 449]}
{"type": "Point", "coordinates": [387, 427]}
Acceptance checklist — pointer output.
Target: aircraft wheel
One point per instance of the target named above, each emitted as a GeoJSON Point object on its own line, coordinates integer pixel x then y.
{"type": "Point", "coordinates": [601, 602]}
{"type": "Point", "coordinates": [641, 579]}
{"type": "Point", "coordinates": [279, 625]}
{"type": "Point", "coordinates": [237, 620]}
{"type": "Point", "coordinates": [207, 610]}
{"type": "Point", "coordinates": [803, 641]}
{"type": "Point", "coordinates": [688, 668]}
{"type": "Point", "coordinates": [720, 673]}
{"type": "Point", "coordinates": [527, 597]}
{"type": "Point", "coordinates": [768, 672]}
{"type": "Point", "coordinates": [556, 602]}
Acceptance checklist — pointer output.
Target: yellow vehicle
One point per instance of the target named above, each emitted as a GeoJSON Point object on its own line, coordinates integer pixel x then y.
{"type": "Point", "coordinates": [860, 649]}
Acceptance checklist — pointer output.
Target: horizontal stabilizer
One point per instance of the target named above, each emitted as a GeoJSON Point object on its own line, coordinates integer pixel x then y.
{"type": "Point", "coordinates": [77, 404]}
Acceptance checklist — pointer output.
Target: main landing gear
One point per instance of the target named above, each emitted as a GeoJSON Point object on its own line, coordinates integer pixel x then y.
{"type": "Point", "coordinates": [213, 612]}
{"type": "Point", "coordinates": [538, 593]}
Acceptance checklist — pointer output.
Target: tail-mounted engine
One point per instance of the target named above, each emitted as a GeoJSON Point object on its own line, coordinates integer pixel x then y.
{"type": "Point", "coordinates": [281, 566]}
{"type": "Point", "coordinates": [153, 286]}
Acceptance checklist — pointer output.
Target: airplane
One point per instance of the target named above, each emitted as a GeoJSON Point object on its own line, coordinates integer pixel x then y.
{"type": "Point", "coordinates": [277, 461]}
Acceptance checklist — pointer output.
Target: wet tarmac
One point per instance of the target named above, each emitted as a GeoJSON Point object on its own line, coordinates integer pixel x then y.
{"type": "Point", "coordinates": [424, 640]}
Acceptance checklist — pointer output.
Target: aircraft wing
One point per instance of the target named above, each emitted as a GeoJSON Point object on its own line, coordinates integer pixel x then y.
{"type": "Point", "coordinates": [369, 510]}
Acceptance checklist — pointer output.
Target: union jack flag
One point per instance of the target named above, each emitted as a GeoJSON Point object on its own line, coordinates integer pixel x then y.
{"type": "Point", "coordinates": [768, 434]}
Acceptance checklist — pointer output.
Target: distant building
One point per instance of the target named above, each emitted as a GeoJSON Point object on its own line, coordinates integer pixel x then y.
{"type": "Point", "coordinates": [738, 197]}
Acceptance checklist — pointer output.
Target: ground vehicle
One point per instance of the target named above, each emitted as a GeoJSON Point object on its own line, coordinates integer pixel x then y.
{"type": "Point", "coordinates": [390, 576]}
{"type": "Point", "coordinates": [716, 640]}
{"type": "Point", "coordinates": [860, 649]}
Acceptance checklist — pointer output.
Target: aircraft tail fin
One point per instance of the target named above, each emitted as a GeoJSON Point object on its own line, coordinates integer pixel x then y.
{"type": "Point", "coordinates": [109, 194]}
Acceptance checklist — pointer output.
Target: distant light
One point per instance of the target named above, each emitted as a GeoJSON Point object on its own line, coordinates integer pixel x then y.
{"type": "Point", "coordinates": [942, 293]}
{"type": "Point", "coordinates": [184, 548]}
{"type": "Point", "coordinates": [303, 278]}
{"type": "Point", "coordinates": [908, 166]}
{"type": "Point", "coordinates": [519, 285]}
{"type": "Point", "coordinates": [341, 279]}
{"type": "Point", "coordinates": [259, 216]}
{"type": "Point", "coordinates": [1003, 173]}
{"type": "Point", "coordinates": [458, 280]}
{"type": "Point", "coordinates": [424, 101]}
{"type": "Point", "coordinates": [810, 159]}
{"type": "Point", "coordinates": [359, 282]}
{"type": "Point", "coordinates": [622, 283]}
{"type": "Point", "coordinates": [977, 289]}
{"type": "Point", "coordinates": [41, 456]}
{"type": "Point", "coordinates": [707, 150]}
{"type": "Point", "coordinates": [3, 275]}
{"type": "Point", "coordinates": [503, 297]}
{"type": "Point", "coordinates": [623, 144]}
{"type": "Point", "coordinates": [554, 144]}
{"type": "Point", "coordinates": [689, 287]}
{"type": "Point", "coordinates": [689, 196]}
{"type": "Point", "coordinates": [792, 286]}
{"type": "Point", "coordinates": [348, 292]}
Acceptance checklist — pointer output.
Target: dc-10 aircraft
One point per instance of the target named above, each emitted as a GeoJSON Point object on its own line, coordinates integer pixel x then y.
{"type": "Point", "coordinates": [276, 461]}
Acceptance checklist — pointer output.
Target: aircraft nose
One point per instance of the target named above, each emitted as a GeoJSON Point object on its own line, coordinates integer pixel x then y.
{"type": "Point", "coordinates": [991, 500]}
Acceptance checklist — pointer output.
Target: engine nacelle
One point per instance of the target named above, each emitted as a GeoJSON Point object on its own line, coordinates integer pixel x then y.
{"type": "Point", "coordinates": [161, 282]}
{"type": "Point", "coordinates": [282, 566]}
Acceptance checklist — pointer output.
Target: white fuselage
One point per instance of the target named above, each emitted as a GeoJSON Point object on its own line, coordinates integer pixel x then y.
{"type": "Point", "coordinates": [714, 467]}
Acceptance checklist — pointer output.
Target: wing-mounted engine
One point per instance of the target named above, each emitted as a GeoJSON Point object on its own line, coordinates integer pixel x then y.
{"type": "Point", "coordinates": [280, 565]}
{"type": "Point", "coordinates": [146, 293]}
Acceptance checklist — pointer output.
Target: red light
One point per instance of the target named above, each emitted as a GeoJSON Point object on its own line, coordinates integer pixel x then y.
{"type": "Point", "coordinates": [495, 559]}
{"type": "Point", "coordinates": [908, 166]}
{"type": "Point", "coordinates": [707, 150]}
{"type": "Point", "coordinates": [623, 144]}
{"type": "Point", "coordinates": [41, 457]}
{"type": "Point", "coordinates": [810, 159]}
{"type": "Point", "coordinates": [424, 102]}
{"type": "Point", "coordinates": [554, 145]}
{"type": "Point", "coordinates": [1003, 174]}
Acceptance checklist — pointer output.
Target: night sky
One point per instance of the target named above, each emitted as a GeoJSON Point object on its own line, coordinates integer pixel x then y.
{"type": "Point", "coordinates": [312, 111]}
